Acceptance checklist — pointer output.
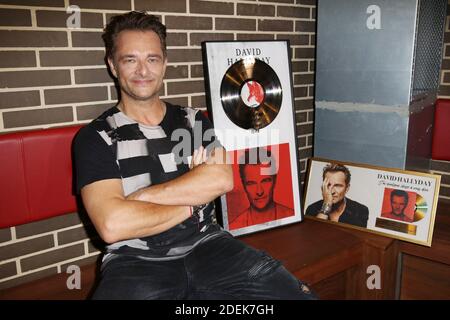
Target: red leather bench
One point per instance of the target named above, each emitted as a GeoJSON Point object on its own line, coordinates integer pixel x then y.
{"type": "Point", "coordinates": [441, 131]}
{"type": "Point", "coordinates": [36, 174]}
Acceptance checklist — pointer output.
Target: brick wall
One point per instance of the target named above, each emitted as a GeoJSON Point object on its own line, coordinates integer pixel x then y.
{"type": "Point", "coordinates": [443, 167]}
{"type": "Point", "coordinates": [54, 76]}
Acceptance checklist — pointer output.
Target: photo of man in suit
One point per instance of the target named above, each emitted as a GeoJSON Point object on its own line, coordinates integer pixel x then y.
{"type": "Point", "coordinates": [335, 205]}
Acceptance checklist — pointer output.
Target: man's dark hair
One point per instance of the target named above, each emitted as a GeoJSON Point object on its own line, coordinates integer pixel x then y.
{"type": "Point", "coordinates": [400, 193]}
{"type": "Point", "coordinates": [255, 158]}
{"type": "Point", "coordinates": [134, 20]}
{"type": "Point", "coordinates": [335, 167]}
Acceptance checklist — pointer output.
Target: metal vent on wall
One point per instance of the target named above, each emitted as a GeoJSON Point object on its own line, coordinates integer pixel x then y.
{"type": "Point", "coordinates": [428, 55]}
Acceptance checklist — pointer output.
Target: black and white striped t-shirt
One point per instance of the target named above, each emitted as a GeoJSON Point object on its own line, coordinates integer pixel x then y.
{"type": "Point", "coordinates": [115, 146]}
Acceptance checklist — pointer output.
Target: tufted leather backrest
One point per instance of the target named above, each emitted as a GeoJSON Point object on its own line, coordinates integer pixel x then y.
{"type": "Point", "coordinates": [36, 175]}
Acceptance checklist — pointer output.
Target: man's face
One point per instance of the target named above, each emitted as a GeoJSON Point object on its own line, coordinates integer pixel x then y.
{"type": "Point", "coordinates": [337, 185]}
{"type": "Point", "coordinates": [259, 188]}
{"type": "Point", "coordinates": [138, 64]}
{"type": "Point", "coordinates": [398, 204]}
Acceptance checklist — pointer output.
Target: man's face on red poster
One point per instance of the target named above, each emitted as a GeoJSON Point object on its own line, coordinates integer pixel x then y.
{"type": "Point", "coordinates": [259, 187]}
{"type": "Point", "coordinates": [399, 204]}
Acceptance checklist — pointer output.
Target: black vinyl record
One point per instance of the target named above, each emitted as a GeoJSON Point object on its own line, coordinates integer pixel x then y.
{"type": "Point", "coordinates": [251, 94]}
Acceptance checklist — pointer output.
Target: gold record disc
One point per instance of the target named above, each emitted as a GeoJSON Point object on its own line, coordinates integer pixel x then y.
{"type": "Point", "coordinates": [420, 209]}
{"type": "Point", "coordinates": [251, 94]}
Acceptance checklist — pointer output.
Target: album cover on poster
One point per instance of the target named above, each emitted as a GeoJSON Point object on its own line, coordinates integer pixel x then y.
{"type": "Point", "coordinates": [250, 101]}
{"type": "Point", "coordinates": [396, 203]}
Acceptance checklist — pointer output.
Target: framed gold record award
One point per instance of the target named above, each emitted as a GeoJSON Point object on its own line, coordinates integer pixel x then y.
{"type": "Point", "coordinates": [250, 102]}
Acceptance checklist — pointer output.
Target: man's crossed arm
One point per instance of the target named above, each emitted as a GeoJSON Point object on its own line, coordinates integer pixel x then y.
{"type": "Point", "coordinates": [208, 178]}
{"type": "Point", "coordinates": [157, 208]}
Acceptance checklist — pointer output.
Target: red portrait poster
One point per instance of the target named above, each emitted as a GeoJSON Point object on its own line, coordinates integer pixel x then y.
{"type": "Point", "coordinates": [398, 205]}
{"type": "Point", "coordinates": [258, 196]}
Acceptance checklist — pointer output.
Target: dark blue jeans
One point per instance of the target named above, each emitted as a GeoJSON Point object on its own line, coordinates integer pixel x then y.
{"type": "Point", "coordinates": [220, 268]}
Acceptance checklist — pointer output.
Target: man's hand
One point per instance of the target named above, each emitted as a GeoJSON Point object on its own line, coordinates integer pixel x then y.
{"type": "Point", "coordinates": [200, 156]}
{"type": "Point", "coordinates": [326, 192]}
{"type": "Point", "coordinates": [322, 216]}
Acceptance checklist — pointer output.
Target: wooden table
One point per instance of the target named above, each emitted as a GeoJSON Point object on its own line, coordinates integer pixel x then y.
{"type": "Point", "coordinates": [334, 260]}
{"type": "Point", "coordinates": [424, 272]}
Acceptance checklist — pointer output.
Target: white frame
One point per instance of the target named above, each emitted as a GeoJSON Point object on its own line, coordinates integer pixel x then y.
{"type": "Point", "coordinates": [218, 56]}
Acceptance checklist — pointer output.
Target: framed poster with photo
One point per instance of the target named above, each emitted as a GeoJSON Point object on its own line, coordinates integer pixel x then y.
{"type": "Point", "coordinates": [392, 202]}
{"type": "Point", "coordinates": [250, 101]}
